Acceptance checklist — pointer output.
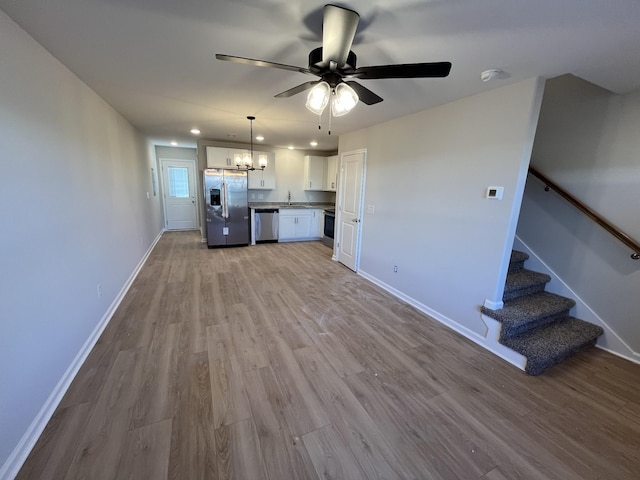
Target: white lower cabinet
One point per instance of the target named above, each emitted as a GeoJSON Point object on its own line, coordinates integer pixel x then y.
{"type": "Point", "coordinates": [299, 224]}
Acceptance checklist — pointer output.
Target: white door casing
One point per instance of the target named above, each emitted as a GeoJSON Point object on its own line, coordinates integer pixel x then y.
{"type": "Point", "coordinates": [350, 208]}
{"type": "Point", "coordinates": [179, 194]}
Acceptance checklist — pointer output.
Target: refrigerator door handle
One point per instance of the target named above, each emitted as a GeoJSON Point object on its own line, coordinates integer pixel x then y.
{"type": "Point", "coordinates": [225, 200]}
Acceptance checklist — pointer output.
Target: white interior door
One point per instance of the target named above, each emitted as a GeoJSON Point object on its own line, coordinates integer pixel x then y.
{"type": "Point", "coordinates": [350, 208]}
{"type": "Point", "coordinates": [179, 188]}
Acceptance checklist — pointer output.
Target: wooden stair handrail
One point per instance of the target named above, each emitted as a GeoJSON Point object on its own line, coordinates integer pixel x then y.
{"type": "Point", "coordinates": [612, 229]}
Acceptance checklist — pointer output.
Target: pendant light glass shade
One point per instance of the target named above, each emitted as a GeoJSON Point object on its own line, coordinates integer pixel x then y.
{"type": "Point", "coordinates": [247, 160]}
{"type": "Point", "coordinates": [237, 159]}
{"type": "Point", "coordinates": [343, 100]}
{"type": "Point", "coordinates": [318, 98]}
{"type": "Point", "coordinates": [262, 161]}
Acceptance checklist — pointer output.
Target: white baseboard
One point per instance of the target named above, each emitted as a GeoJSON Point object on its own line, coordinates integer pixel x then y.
{"type": "Point", "coordinates": [610, 341]}
{"type": "Point", "coordinates": [20, 453]}
{"type": "Point", "coordinates": [489, 341]}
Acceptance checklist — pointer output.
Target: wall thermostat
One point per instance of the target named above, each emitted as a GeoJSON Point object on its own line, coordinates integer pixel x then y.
{"type": "Point", "coordinates": [495, 192]}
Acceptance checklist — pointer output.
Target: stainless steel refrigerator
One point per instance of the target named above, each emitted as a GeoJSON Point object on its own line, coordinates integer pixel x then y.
{"type": "Point", "coordinates": [225, 194]}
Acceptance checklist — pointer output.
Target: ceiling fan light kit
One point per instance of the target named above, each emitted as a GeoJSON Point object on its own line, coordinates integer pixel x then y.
{"type": "Point", "coordinates": [334, 62]}
{"type": "Point", "coordinates": [318, 98]}
{"type": "Point", "coordinates": [343, 99]}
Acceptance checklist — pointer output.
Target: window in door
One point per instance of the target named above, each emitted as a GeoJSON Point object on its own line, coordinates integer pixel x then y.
{"type": "Point", "coordinates": [178, 182]}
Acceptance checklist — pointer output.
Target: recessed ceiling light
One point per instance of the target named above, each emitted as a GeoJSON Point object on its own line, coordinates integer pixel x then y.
{"type": "Point", "coordinates": [231, 135]}
{"type": "Point", "coordinates": [195, 131]}
{"type": "Point", "coordinates": [260, 138]}
{"type": "Point", "coordinates": [290, 147]}
{"type": "Point", "coordinates": [174, 143]}
{"type": "Point", "coordinates": [313, 144]}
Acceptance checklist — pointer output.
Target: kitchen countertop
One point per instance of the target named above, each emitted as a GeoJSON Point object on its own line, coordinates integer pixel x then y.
{"type": "Point", "coordinates": [321, 206]}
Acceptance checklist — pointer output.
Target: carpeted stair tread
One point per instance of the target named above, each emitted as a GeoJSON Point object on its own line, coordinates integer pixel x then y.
{"type": "Point", "coordinates": [550, 344]}
{"type": "Point", "coordinates": [530, 311]}
{"type": "Point", "coordinates": [538, 305]}
{"type": "Point", "coordinates": [517, 260]}
{"type": "Point", "coordinates": [524, 282]}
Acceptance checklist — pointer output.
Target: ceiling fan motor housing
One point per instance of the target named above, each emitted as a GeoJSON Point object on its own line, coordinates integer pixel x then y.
{"type": "Point", "coordinates": [316, 65]}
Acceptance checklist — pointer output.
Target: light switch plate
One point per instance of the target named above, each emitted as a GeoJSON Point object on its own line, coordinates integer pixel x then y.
{"type": "Point", "coordinates": [225, 230]}
{"type": "Point", "coordinates": [371, 209]}
{"type": "Point", "coordinates": [495, 192]}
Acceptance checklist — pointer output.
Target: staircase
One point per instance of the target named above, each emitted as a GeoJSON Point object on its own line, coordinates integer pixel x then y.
{"type": "Point", "coordinates": [536, 323]}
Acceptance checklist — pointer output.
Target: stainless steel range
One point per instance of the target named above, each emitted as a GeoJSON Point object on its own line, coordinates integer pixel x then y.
{"type": "Point", "coordinates": [329, 225]}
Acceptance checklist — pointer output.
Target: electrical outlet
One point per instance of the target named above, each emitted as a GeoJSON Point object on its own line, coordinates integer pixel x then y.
{"type": "Point", "coordinates": [99, 290]}
{"type": "Point", "coordinates": [395, 269]}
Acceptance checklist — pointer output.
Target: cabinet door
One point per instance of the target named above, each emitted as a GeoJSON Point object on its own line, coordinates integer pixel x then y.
{"type": "Point", "coordinates": [303, 225]}
{"type": "Point", "coordinates": [263, 179]}
{"type": "Point", "coordinates": [317, 223]}
{"type": "Point", "coordinates": [255, 180]}
{"type": "Point", "coordinates": [314, 172]}
{"type": "Point", "coordinates": [218, 157]}
{"type": "Point", "coordinates": [286, 226]}
{"type": "Point", "coordinates": [331, 184]}
{"type": "Point", "coordinates": [288, 219]}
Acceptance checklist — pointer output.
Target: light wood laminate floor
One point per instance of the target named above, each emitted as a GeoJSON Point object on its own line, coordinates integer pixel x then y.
{"type": "Point", "coordinates": [274, 362]}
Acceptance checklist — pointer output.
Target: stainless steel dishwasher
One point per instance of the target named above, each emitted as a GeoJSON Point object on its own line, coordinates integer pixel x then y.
{"type": "Point", "coordinates": [266, 227]}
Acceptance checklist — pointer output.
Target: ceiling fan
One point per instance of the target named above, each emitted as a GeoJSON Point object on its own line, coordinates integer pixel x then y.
{"type": "Point", "coordinates": [335, 64]}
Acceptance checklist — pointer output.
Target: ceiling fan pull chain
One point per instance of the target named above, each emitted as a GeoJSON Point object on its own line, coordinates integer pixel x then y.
{"type": "Point", "coordinates": [330, 115]}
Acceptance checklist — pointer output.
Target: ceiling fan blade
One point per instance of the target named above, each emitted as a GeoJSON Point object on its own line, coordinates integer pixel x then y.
{"type": "Point", "coordinates": [261, 63]}
{"type": "Point", "coordinates": [364, 94]}
{"type": "Point", "coordinates": [338, 29]}
{"type": "Point", "coordinates": [405, 70]}
{"type": "Point", "coordinates": [298, 89]}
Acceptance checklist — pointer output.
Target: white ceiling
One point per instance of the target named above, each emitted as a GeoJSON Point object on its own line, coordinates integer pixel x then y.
{"type": "Point", "coordinates": [153, 60]}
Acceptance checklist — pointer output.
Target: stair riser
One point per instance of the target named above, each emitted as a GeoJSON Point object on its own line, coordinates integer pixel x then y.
{"type": "Point", "coordinates": [523, 291]}
{"type": "Point", "coordinates": [515, 266]}
{"type": "Point", "coordinates": [535, 368]}
{"type": "Point", "coordinates": [511, 331]}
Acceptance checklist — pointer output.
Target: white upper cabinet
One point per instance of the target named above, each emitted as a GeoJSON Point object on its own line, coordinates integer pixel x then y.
{"type": "Point", "coordinates": [331, 180]}
{"type": "Point", "coordinates": [263, 179]}
{"type": "Point", "coordinates": [222, 157]}
{"type": "Point", "coordinates": [314, 172]}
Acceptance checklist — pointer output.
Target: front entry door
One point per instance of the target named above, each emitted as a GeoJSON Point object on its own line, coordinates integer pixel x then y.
{"type": "Point", "coordinates": [350, 208]}
{"type": "Point", "coordinates": [179, 188]}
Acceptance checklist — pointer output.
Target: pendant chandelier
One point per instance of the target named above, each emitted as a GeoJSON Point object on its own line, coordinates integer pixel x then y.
{"type": "Point", "coordinates": [244, 161]}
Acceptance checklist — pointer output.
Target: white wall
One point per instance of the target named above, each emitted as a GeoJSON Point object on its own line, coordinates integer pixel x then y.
{"type": "Point", "coordinates": [588, 142]}
{"type": "Point", "coordinates": [73, 213]}
{"type": "Point", "coordinates": [426, 175]}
